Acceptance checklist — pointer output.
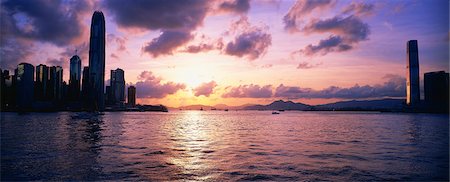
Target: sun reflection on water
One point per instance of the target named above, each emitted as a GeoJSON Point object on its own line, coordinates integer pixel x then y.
{"type": "Point", "coordinates": [191, 144]}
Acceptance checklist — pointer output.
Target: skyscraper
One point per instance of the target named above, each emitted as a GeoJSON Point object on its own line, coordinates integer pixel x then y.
{"type": "Point", "coordinates": [436, 87]}
{"type": "Point", "coordinates": [75, 78]}
{"type": "Point", "coordinates": [41, 82]}
{"type": "Point", "coordinates": [412, 75]}
{"type": "Point", "coordinates": [97, 62]}
{"type": "Point", "coordinates": [117, 83]}
{"type": "Point", "coordinates": [25, 86]}
{"type": "Point", "coordinates": [131, 96]}
{"type": "Point", "coordinates": [56, 83]}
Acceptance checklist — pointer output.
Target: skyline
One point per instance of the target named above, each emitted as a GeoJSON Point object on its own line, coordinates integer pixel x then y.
{"type": "Point", "coordinates": [257, 61]}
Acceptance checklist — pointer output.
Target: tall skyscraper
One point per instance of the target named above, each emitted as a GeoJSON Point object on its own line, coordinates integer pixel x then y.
{"type": "Point", "coordinates": [412, 75]}
{"type": "Point", "coordinates": [85, 82]}
{"type": "Point", "coordinates": [25, 86]}
{"type": "Point", "coordinates": [75, 78]}
{"type": "Point", "coordinates": [97, 61]}
{"type": "Point", "coordinates": [117, 83]}
{"type": "Point", "coordinates": [41, 82]}
{"type": "Point", "coordinates": [56, 83]}
{"type": "Point", "coordinates": [131, 96]}
{"type": "Point", "coordinates": [436, 87]}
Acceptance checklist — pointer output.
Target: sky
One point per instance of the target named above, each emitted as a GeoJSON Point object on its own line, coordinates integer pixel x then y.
{"type": "Point", "coordinates": [236, 52]}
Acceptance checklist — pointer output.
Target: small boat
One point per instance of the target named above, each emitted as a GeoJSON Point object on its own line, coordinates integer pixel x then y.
{"type": "Point", "coordinates": [226, 110]}
{"type": "Point", "coordinates": [201, 109]}
{"type": "Point", "coordinates": [275, 112]}
{"type": "Point", "coordinates": [281, 110]}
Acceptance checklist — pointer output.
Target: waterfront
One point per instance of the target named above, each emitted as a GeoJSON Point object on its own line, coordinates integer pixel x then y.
{"type": "Point", "coordinates": [218, 145]}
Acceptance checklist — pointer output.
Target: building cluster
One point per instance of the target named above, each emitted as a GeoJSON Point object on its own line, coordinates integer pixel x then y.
{"type": "Point", "coordinates": [43, 88]}
{"type": "Point", "coordinates": [436, 84]}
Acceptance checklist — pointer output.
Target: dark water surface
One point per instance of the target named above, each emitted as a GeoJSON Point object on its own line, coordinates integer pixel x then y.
{"type": "Point", "coordinates": [217, 146]}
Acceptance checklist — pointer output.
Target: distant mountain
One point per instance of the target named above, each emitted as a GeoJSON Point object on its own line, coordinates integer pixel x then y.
{"type": "Point", "coordinates": [383, 104]}
{"type": "Point", "coordinates": [215, 107]}
{"type": "Point", "coordinates": [378, 105]}
{"type": "Point", "coordinates": [280, 105]}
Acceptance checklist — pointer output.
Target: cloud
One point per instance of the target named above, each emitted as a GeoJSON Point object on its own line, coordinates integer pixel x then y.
{"type": "Point", "coordinates": [393, 87]}
{"type": "Point", "coordinates": [236, 6]}
{"type": "Point", "coordinates": [306, 65]}
{"type": "Point", "coordinates": [359, 9]}
{"type": "Point", "coordinates": [346, 32]}
{"type": "Point", "coordinates": [249, 91]}
{"type": "Point", "coordinates": [251, 41]}
{"type": "Point", "coordinates": [167, 43]}
{"type": "Point", "coordinates": [332, 44]}
{"type": "Point", "coordinates": [300, 10]}
{"type": "Point", "coordinates": [158, 14]}
{"type": "Point", "coordinates": [150, 86]}
{"type": "Point", "coordinates": [24, 23]}
{"type": "Point", "coordinates": [56, 22]}
{"type": "Point", "coordinates": [205, 89]}
{"type": "Point", "coordinates": [118, 41]}
{"type": "Point", "coordinates": [204, 46]}
{"type": "Point", "coordinates": [64, 63]}
{"type": "Point", "coordinates": [251, 45]}
{"type": "Point", "coordinates": [11, 56]}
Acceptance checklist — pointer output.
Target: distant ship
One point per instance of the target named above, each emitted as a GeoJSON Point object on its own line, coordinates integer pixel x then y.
{"type": "Point", "coordinates": [226, 110]}
{"type": "Point", "coordinates": [201, 109]}
{"type": "Point", "coordinates": [275, 112]}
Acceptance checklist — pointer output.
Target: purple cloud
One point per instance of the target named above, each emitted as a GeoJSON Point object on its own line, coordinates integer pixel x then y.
{"type": "Point", "coordinates": [158, 14]}
{"type": "Point", "coordinates": [151, 86]}
{"type": "Point", "coordinates": [42, 20]}
{"type": "Point", "coordinates": [167, 43]}
{"type": "Point", "coordinates": [306, 65]}
{"type": "Point", "coordinates": [249, 91]}
{"type": "Point", "coordinates": [300, 9]}
{"type": "Point", "coordinates": [205, 89]}
{"type": "Point", "coordinates": [251, 44]}
{"type": "Point", "coordinates": [359, 9]}
{"type": "Point", "coordinates": [347, 32]}
{"type": "Point", "coordinates": [237, 6]}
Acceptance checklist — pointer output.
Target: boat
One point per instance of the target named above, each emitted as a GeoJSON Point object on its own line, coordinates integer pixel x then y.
{"type": "Point", "coordinates": [226, 110]}
{"type": "Point", "coordinates": [274, 112]}
{"type": "Point", "coordinates": [201, 109]}
{"type": "Point", "coordinates": [281, 110]}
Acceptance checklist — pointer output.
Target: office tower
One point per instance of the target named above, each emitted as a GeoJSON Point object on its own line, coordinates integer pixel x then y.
{"type": "Point", "coordinates": [436, 87]}
{"type": "Point", "coordinates": [41, 82]}
{"type": "Point", "coordinates": [117, 83]}
{"type": "Point", "coordinates": [97, 61]}
{"type": "Point", "coordinates": [85, 83]}
{"type": "Point", "coordinates": [25, 86]}
{"type": "Point", "coordinates": [2, 90]}
{"type": "Point", "coordinates": [108, 96]}
{"type": "Point", "coordinates": [131, 96]}
{"type": "Point", "coordinates": [56, 83]}
{"type": "Point", "coordinates": [412, 75]}
{"type": "Point", "coordinates": [75, 78]}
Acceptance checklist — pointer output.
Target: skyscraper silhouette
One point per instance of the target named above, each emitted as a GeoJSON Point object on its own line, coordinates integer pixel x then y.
{"type": "Point", "coordinates": [412, 76]}
{"type": "Point", "coordinates": [97, 62]}
{"type": "Point", "coordinates": [131, 96]}
{"type": "Point", "coordinates": [117, 83]}
{"type": "Point", "coordinates": [25, 86]}
{"type": "Point", "coordinates": [41, 82]}
{"type": "Point", "coordinates": [75, 78]}
{"type": "Point", "coordinates": [56, 83]}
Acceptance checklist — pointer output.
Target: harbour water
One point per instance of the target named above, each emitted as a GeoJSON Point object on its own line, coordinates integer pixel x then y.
{"type": "Point", "coordinates": [218, 145]}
